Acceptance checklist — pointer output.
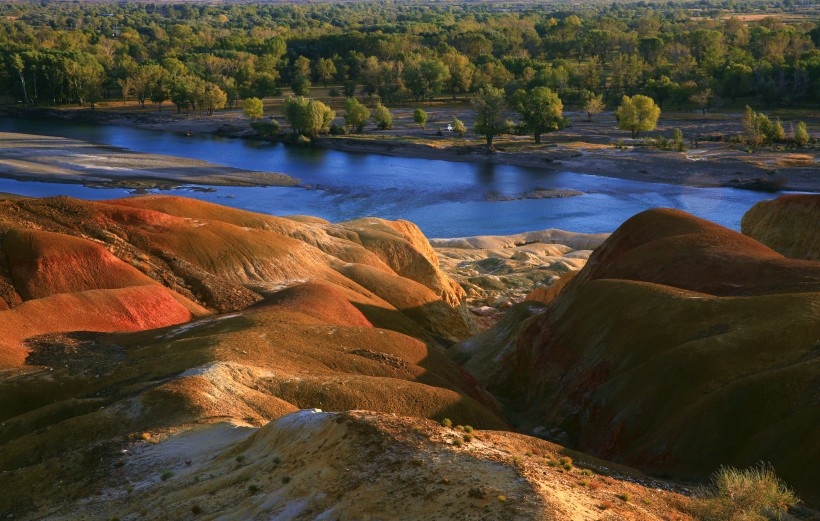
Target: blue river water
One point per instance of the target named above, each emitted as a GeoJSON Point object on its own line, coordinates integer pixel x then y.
{"type": "Point", "coordinates": [446, 199]}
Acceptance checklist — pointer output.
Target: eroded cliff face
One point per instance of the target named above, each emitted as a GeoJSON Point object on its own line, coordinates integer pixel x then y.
{"type": "Point", "coordinates": [789, 225]}
{"type": "Point", "coordinates": [679, 347]}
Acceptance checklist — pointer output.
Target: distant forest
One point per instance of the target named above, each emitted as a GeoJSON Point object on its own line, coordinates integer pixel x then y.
{"type": "Point", "coordinates": [682, 54]}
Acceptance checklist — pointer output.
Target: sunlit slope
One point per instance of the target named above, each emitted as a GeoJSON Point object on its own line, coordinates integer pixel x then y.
{"type": "Point", "coordinates": [681, 346]}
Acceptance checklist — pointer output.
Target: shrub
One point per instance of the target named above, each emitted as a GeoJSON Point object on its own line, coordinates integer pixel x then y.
{"type": "Point", "coordinates": [253, 489]}
{"type": "Point", "coordinates": [333, 92]}
{"type": "Point", "coordinates": [468, 428]}
{"type": "Point", "coordinates": [420, 117]}
{"type": "Point", "coordinates": [624, 496]}
{"type": "Point", "coordinates": [751, 494]}
{"type": "Point", "coordinates": [266, 128]}
{"type": "Point", "coordinates": [382, 117]}
{"type": "Point", "coordinates": [337, 130]}
{"type": "Point", "coordinates": [468, 438]}
{"type": "Point", "coordinates": [458, 127]}
{"type": "Point", "coordinates": [778, 134]}
{"type": "Point", "coordinates": [166, 475]}
{"type": "Point", "coordinates": [447, 422]}
{"type": "Point", "coordinates": [801, 135]}
{"type": "Point", "coordinates": [458, 442]}
{"type": "Point", "coordinates": [285, 479]}
{"type": "Point", "coordinates": [196, 510]}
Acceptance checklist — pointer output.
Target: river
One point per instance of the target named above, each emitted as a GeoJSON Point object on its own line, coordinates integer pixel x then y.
{"type": "Point", "coordinates": [446, 199]}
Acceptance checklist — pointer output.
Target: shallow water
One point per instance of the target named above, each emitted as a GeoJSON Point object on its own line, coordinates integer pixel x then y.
{"type": "Point", "coordinates": [446, 199]}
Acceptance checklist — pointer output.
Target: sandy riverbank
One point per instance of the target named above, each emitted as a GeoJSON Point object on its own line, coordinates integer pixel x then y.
{"type": "Point", "coordinates": [29, 157]}
{"type": "Point", "coordinates": [585, 147]}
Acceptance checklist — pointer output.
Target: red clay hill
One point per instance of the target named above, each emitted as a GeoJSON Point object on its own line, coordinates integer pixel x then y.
{"type": "Point", "coordinates": [148, 262]}
{"type": "Point", "coordinates": [680, 346]}
{"type": "Point", "coordinates": [789, 225]}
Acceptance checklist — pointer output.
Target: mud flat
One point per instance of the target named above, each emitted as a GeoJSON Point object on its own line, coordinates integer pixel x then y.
{"type": "Point", "coordinates": [29, 157]}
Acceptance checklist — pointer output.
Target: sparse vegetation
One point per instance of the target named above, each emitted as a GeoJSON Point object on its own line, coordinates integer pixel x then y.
{"type": "Point", "coordinates": [753, 494]}
{"type": "Point", "coordinates": [447, 422]}
{"type": "Point", "coordinates": [165, 476]}
{"type": "Point", "coordinates": [624, 496]}
{"type": "Point", "coordinates": [606, 505]}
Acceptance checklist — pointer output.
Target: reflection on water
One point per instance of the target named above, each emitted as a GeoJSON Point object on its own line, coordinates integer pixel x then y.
{"type": "Point", "coordinates": [444, 198]}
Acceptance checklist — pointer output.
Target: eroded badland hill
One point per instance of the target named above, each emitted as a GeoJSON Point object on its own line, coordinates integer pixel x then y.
{"type": "Point", "coordinates": [160, 357]}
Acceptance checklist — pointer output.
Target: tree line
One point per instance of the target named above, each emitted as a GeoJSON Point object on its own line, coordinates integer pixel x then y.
{"type": "Point", "coordinates": [201, 57]}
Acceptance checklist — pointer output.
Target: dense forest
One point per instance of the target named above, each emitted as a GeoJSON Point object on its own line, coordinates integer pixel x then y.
{"type": "Point", "coordinates": [682, 55]}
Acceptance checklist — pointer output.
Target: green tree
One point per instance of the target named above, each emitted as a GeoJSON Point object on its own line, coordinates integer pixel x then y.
{"type": "Point", "coordinates": [308, 117]}
{"type": "Point", "coordinates": [488, 103]}
{"type": "Point", "coordinates": [420, 117]}
{"type": "Point", "coordinates": [356, 114]}
{"type": "Point", "coordinates": [253, 108]}
{"type": "Point", "coordinates": [214, 98]}
{"type": "Point", "coordinates": [778, 133]}
{"type": "Point", "coordinates": [461, 72]}
{"type": "Point", "coordinates": [382, 117]}
{"type": "Point", "coordinates": [300, 86]}
{"type": "Point", "coordinates": [703, 100]}
{"type": "Point", "coordinates": [594, 105]}
{"type": "Point", "coordinates": [541, 109]}
{"type": "Point", "coordinates": [637, 114]}
{"type": "Point", "coordinates": [458, 127]}
{"type": "Point", "coordinates": [325, 70]}
{"type": "Point", "coordinates": [801, 135]}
